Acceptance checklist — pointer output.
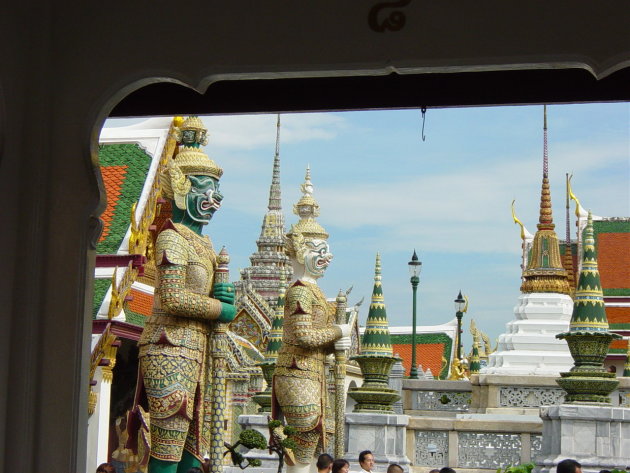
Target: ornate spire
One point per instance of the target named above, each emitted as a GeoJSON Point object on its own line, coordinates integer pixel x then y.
{"type": "Point", "coordinates": [588, 336]}
{"type": "Point", "coordinates": [568, 253]}
{"type": "Point", "coordinates": [545, 221]}
{"type": "Point", "coordinates": [376, 339]}
{"type": "Point", "coordinates": [589, 313]}
{"type": "Point", "coordinates": [269, 259]}
{"type": "Point", "coordinates": [376, 359]}
{"type": "Point", "coordinates": [274, 191]}
{"type": "Point", "coordinates": [544, 272]}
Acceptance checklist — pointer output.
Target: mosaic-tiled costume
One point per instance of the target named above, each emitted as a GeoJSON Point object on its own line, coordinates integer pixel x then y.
{"type": "Point", "coordinates": [309, 335]}
{"type": "Point", "coordinates": [174, 344]}
{"type": "Point", "coordinates": [174, 350]}
{"type": "Point", "coordinates": [299, 377]}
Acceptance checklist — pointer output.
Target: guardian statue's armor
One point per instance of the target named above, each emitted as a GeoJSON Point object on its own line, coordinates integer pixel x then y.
{"type": "Point", "coordinates": [175, 347]}
{"type": "Point", "coordinates": [310, 334]}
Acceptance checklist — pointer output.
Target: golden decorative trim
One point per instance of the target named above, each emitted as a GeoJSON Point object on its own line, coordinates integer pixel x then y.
{"type": "Point", "coordinates": [105, 349]}
{"type": "Point", "coordinates": [120, 290]}
{"type": "Point", "coordinates": [92, 401]}
{"type": "Point", "coordinates": [140, 242]}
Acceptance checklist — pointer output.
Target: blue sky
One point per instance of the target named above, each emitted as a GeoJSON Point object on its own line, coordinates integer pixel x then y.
{"type": "Point", "coordinates": [382, 189]}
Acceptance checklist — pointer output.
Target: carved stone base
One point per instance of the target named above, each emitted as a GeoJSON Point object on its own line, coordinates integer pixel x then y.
{"type": "Point", "coordinates": [382, 434]}
{"type": "Point", "coordinates": [596, 436]}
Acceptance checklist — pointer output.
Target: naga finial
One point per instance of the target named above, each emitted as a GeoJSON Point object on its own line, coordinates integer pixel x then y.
{"type": "Point", "coordinates": [524, 232]}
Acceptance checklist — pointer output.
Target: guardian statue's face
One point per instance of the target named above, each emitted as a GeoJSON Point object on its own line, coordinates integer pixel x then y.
{"type": "Point", "coordinates": [317, 257]}
{"type": "Point", "coordinates": [204, 198]}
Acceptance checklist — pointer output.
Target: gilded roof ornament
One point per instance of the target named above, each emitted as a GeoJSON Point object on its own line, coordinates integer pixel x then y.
{"type": "Point", "coordinates": [544, 272]}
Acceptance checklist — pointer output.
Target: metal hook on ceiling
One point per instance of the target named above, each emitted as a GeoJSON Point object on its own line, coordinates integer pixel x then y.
{"type": "Point", "coordinates": [423, 112]}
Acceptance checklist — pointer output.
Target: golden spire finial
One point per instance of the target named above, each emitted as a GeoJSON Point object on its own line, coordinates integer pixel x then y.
{"type": "Point", "coordinates": [545, 272]}
{"type": "Point", "coordinates": [545, 221]}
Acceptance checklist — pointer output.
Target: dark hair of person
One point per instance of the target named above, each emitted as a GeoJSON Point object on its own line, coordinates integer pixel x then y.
{"type": "Point", "coordinates": [324, 461]}
{"type": "Point", "coordinates": [567, 466]}
{"type": "Point", "coordinates": [363, 454]}
{"type": "Point", "coordinates": [195, 469]}
{"type": "Point", "coordinates": [395, 468]}
{"type": "Point", "coordinates": [446, 469]}
{"type": "Point", "coordinates": [435, 470]}
{"type": "Point", "coordinates": [604, 471]}
{"type": "Point", "coordinates": [105, 468]}
{"type": "Point", "coordinates": [338, 464]}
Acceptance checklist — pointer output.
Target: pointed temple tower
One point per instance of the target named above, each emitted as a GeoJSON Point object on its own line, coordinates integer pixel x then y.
{"type": "Point", "coordinates": [586, 426]}
{"type": "Point", "coordinates": [529, 346]}
{"type": "Point", "coordinates": [376, 358]}
{"type": "Point", "coordinates": [263, 276]}
{"type": "Point", "coordinates": [588, 336]}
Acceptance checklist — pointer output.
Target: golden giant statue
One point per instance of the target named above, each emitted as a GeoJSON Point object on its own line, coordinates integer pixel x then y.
{"type": "Point", "coordinates": [310, 335]}
{"type": "Point", "coordinates": [175, 363]}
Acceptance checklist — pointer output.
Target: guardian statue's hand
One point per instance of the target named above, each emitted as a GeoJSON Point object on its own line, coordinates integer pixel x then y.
{"type": "Point", "coordinates": [224, 291]}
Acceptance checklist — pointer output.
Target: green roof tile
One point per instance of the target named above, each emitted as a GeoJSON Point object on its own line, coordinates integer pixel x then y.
{"type": "Point", "coordinates": [136, 162]}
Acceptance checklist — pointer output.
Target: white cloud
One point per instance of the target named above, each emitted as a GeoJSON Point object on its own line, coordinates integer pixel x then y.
{"type": "Point", "coordinates": [253, 131]}
{"type": "Point", "coordinates": [467, 210]}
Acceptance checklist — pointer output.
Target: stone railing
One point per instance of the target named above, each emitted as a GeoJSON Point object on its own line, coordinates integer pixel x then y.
{"type": "Point", "coordinates": [436, 396]}
{"type": "Point", "coordinates": [472, 442]}
{"type": "Point", "coordinates": [527, 394]}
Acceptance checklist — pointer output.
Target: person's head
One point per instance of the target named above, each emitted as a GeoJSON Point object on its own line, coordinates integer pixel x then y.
{"type": "Point", "coordinates": [195, 469]}
{"type": "Point", "coordinates": [340, 466]}
{"type": "Point", "coordinates": [366, 460]}
{"type": "Point", "coordinates": [324, 462]}
{"type": "Point", "coordinates": [106, 468]}
{"type": "Point", "coordinates": [446, 469]}
{"type": "Point", "coordinates": [434, 470]}
{"type": "Point", "coordinates": [395, 468]}
{"type": "Point", "coordinates": [604, 471]}
{"type": "Point", "coordinates": [569, 466]}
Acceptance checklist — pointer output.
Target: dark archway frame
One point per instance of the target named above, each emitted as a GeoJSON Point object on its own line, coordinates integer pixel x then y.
{"type": "Point", "coordinates": [462, 89]}
{"type": "Point", "coordinates": [65, 68]}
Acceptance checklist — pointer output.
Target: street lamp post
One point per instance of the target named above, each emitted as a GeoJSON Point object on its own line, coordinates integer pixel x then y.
{"type": "Point", "coordinates": [460, 304]}
{"type": "Point", "coordinates": [415, 267]}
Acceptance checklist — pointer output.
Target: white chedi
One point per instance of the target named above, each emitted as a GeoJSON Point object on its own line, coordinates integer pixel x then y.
{"type": "Point", "coordinates": [529, 345]}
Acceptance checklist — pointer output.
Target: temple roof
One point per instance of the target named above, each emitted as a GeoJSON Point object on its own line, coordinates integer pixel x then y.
{"type": "Point", "coordinates": [434, 344]}
{"type": "Point", "coordinates": [124, 169]}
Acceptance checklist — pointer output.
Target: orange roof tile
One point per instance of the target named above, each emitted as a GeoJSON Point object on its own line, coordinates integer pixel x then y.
{"type": "Point", "coordinates": [113, 178]}
{"type": "Point", "coordinates": [613, 258]}
{"type": "Point", "coordinates": [618, 315]}
{"type": "Point", "coordinates": [428, 355]}
{"type": "Point", "coordinates": [623, 344]}
{"type": "Point", "coordinates": [142, 302]}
